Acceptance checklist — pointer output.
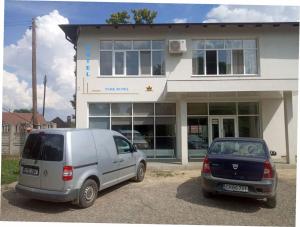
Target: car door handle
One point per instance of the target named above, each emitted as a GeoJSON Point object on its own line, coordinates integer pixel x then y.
{"type": "Point", "coordinates": [121, 160]}
{"type": "Point", "coordinates": [115, 161]}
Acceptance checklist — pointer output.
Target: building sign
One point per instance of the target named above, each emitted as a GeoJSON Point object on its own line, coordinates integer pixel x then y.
{"type": "Point", "coordinates": [88, 60]}
{"type": "Point", "coordinates": [116, 89]}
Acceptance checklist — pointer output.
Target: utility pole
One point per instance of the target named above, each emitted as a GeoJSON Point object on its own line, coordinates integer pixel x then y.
{"type": "Point", "coordinates": [34, 95]}
{"type": "Point", "coordinates": [45, 83]}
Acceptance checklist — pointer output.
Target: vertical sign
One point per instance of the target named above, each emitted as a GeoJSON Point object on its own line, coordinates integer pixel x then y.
{"type": "Point", "coordinates": [88, 60]}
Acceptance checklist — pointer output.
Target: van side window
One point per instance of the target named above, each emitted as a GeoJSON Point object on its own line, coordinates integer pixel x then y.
{"type": "Point", "coordinates": [123, 146]}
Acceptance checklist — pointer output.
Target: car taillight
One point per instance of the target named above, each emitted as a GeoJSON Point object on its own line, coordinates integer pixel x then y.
{"type": "Point", "coordinates": [67, 173]}
{"type": "Point", "coordinates": [268, 171]}
{"type": "Point", "coordinates": [206, 167]}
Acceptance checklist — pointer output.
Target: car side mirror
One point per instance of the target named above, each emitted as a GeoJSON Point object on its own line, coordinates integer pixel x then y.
{"type": "Point", "coordinates": [273, 153]}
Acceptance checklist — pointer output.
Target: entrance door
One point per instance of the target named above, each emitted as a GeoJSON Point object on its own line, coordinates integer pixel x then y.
{"type": "Point", "coordinates": [222, 126]}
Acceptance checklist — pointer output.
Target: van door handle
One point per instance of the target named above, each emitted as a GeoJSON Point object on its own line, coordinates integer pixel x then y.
{"type": "Point", "coordinates": [115, 161]}
{"type": "Point", "coordinates": [121, 160]}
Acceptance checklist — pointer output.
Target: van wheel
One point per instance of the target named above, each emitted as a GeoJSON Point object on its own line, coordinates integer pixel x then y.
{"type": "Point", "coordinates": [271, 202]}
{"type": "Point", "coordinates": [88, 193]}
{"type": "Point", "coordinates": [140, 173]}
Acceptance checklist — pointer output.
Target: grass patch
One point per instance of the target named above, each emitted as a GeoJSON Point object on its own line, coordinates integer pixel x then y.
{"type": "Point", "coordinates": [9, 170]}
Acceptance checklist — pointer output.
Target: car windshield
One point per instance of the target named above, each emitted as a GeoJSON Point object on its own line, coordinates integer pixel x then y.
{"type": "Point", "coordinates": [239, 148]}
{"type": "Point", "coordinates": [48, 147]}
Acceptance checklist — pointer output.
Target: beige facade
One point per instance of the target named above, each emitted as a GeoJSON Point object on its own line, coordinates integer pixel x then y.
{"type": "Point", "coordinates": [274, 87]}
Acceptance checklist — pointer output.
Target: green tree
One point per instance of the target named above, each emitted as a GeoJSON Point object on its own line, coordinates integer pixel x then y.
{"type": "Point", "coordinates": [23, 111]}
{"type": "Point", "coordinates": [119, 18]}
{"type": "Point", "coordinates": [144, 16]}
{"type": "Point", "coordinates": [73, 102]}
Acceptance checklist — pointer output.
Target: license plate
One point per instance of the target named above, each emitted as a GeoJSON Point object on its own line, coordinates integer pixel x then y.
{"type": "Point", "coordinates": [30, 171]}
{"type": "Point", "coordinates": [235, 188]}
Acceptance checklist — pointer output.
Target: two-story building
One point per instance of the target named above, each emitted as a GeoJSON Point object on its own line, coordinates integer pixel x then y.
{"type": "Point", "coordinates": [172, 88]}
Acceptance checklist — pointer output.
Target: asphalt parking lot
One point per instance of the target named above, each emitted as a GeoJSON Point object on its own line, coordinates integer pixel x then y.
{"type": "Point", "coordinates": [164, 197]}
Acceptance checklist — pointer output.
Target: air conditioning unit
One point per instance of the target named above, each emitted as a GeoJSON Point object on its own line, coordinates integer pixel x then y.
{"type": "Point", "coordinates": [177, 46]}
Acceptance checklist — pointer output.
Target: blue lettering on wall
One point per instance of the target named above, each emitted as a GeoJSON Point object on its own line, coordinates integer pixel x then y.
{"type": "Point", "coordinates": [88, 58]}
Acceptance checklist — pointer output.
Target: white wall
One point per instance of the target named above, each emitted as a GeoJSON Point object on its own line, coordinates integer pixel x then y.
{"type": "Point", "coordinates": [291, 118]}
{"type": "Point", "coordinates": [273, 126]}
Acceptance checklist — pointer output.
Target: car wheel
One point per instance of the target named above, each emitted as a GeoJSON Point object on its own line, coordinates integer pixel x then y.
{"type": "Point", "coordinates": [206, 194]}
{"type": "Point", "coordinates": [88, 193]}
{"type": "Point", "coordinates": [140, 173]}
{"type": "Point", "coordinates": [271, 202]}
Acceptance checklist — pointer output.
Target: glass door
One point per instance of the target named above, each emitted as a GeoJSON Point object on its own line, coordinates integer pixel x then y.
{"type": "Point", "coordinates": [222, 126]}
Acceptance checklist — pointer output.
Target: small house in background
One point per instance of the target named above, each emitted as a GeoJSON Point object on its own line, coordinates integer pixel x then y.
{"type": "Point", "coordinates": [12, 118]}
{"type": "Point", "coordinates": [62, 124]}
{"type": "Point", "coordinates": [14, 130]}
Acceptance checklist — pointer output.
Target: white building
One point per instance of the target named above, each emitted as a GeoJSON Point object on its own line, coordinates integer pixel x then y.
{"type": "Point", "coordinates": [226, 80]}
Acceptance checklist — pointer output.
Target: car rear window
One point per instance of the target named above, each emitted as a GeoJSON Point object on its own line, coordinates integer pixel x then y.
{"type": "Point", "coordinates": [47, 147]}
{"type": "Point", "coordinates": [239, 148]}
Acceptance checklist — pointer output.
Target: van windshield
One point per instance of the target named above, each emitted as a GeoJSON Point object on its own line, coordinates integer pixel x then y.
{"type": "Point", "coordinates": [47, 147]}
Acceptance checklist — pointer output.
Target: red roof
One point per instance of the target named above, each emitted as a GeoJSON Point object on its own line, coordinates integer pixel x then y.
{"type": "Point", "coordinates": [16, 118]}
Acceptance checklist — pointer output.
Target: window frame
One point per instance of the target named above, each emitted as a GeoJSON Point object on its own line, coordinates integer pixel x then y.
{"type": "Point", "coordinates": [193, 48]}
{"type": "Point", "coordinates": [113, 50]}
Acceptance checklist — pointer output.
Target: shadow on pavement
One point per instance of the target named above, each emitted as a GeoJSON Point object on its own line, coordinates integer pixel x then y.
{"type": "Point", "coordinates": [17, 200]}
{"type": "Point", "coordinates": [190, 191]}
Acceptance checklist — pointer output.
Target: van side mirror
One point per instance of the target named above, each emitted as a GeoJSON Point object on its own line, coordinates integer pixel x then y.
{"type": "Point", "coordinates": [273, 153]}
{"type": "Point", "coordinates": [133, 148]}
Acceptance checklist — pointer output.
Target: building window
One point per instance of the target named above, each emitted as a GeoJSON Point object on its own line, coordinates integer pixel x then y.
{"type": "Point", "coordinates": [150, 126]}
{"type": "Point", "coordinates": [224, 57]}
{"type": "Point", "coordinates": [249, 124]}
{"type": "Point", "coordinates": [206, 121]}
{"type": "Point", "coordinates": [132, 58]}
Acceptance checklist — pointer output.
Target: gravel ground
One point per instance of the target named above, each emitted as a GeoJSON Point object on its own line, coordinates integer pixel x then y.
{"type": "Point", "coordinates": [164, 197]}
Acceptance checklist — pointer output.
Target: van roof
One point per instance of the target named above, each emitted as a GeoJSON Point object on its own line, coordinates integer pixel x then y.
{"type": "Point", "coordinates": [74, 129]}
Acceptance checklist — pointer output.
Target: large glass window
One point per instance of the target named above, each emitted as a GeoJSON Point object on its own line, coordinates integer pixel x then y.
{"type": "Point", "coordinates": [197, 136]}
{"type": "Point", "coordinates": [197, 109]}
{"type": "Point", "coordinates": [249, 126]}
{"type": "Point", "coordinates": [121, 109]}
{"type": "Point", "coordinates": [99, 109]}
{"type": "Point", "coordinates": [198, 62]}
{"type": "Point", "coordinates": [119, 63]}
{"type": "Point", "coordinates": [143, 134]}
{"type": "Point", "coordinates": [222, 108]}
{"type": "Point", "coordinates": [137, 57]}
{"type": "Point", "coordinates": [132, 63]}
{"type": "Point", "coordinates": [246, 108]}
{"type": "Point", "coordinates": [158, 63]}
{"type": "Point", "coordinates": [165, 136]}
{"type": "Point", "coordinates": [165, 109]}
{"type": "Point", "coordinates": [99, 122]}
{"type": "Point", "coordinates": [250, 61]}
{"type": "Point", "coordinates": [145, 62]}
{"type": "Point", "coordinates": [106, 63]}
{"type": "Point", "coordinates": [237, 61]}
{"type": "Point", "coordinates": [143, 109]}
{"type": "Point", "coordinates": [211, 62]}
{"type": "Point", "coordinates": [122, 125]}
{"type": "Point", "coordinates": [151, 131]}
{"type": "Point", "coordinates": [224, 57]}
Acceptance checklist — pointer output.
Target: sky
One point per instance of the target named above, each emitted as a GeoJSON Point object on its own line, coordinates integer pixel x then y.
{"type": "Point", "coordinates": [55, 54]}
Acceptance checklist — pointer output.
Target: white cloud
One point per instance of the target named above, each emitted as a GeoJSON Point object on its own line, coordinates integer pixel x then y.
{"type": "Point", "coordinates": [180, 20]}
{"type": "Point", "coordinates": [17, 94]}
{"type": "Point", "coordinates": [224, 13]}
{"type": "Point", "coordinates": [54, 58]}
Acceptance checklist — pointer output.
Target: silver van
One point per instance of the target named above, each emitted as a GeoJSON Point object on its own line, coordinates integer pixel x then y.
{"type": "Point", "coordinates": [63, 165]}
